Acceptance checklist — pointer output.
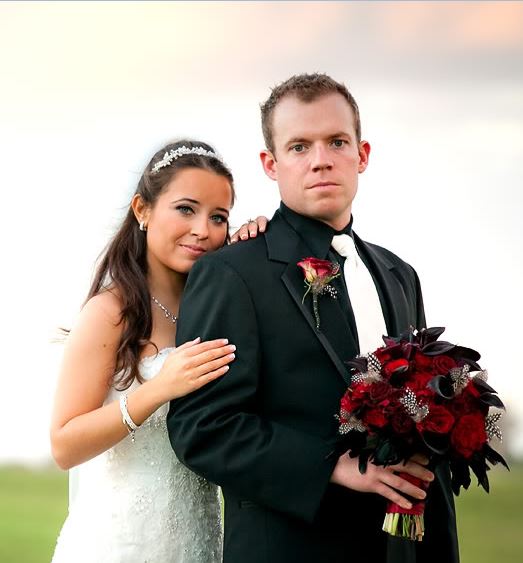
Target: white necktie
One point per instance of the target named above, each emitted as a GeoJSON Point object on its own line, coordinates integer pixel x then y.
{"type": "Point", "coordinates": [364, 298]}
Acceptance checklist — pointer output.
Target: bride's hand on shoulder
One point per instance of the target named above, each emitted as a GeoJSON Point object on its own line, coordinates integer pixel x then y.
{"type": "Point", "coordinates": [191, 366]}
{"type": "Point", "coordinates": [250, 229]}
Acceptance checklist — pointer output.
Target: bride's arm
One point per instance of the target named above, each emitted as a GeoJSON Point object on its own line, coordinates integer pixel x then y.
{"type": "Point", "coordinates": [82, 426]}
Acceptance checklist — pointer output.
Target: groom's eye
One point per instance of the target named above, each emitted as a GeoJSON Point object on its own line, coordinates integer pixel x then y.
{"type": "Point", "coordinates": [298, 148]}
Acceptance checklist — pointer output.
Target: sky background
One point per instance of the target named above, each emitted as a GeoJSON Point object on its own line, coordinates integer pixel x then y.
{"type": "Point", "coordinates": [90, 90]}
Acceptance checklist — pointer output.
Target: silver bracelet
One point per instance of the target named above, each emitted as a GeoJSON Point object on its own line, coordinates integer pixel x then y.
{"type": "Point", "coordinates": [126, 417]}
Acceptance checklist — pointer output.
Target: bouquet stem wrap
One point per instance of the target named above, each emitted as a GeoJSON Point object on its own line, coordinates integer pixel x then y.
{"type": "Point", "coordinates": [406, 522]}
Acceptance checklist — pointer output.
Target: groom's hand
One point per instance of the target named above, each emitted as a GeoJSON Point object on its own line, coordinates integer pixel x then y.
{"type": "Point", "coordinates": [383, 480]}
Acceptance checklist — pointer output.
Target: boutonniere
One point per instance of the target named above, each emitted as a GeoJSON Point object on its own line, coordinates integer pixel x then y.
{"type": "Point", "coordinates": [318, 275]}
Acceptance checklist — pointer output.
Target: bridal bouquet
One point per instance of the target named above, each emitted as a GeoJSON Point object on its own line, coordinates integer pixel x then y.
{"type": "Point", "coordinates": [418, 394]}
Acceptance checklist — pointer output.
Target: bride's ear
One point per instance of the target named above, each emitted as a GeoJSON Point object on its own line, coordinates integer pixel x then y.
{"type": "Point", "coordinates": [140, 209]}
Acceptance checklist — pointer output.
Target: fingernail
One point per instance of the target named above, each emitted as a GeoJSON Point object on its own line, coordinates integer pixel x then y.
{"type": "Point", "coordinates": [197, 339]}
{"type": "Point", "coordinates": [232, 356]}
{"type": "Point", "coordinates": [225, 341]}
{"type": "Point", "coordinates": [243, 237]}
{"type": "Point", "coordinates": [407, 505]}
{"type": "Point", "coordinates": [232, 347]}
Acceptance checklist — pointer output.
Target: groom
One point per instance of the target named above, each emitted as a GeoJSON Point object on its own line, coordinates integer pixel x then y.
{"type": "Point", "coordinates": [266, 430]}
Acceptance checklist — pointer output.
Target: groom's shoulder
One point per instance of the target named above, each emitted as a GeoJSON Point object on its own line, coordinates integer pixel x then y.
{"type": "Point", "coordinates": [254, 251]}
{"type": "Point", "coordinates": [243, 250]}
{"type": "Point", "coordinates": [239, 255]}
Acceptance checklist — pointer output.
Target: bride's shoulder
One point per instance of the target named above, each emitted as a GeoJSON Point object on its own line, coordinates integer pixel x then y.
{"type": "Point", "coordinates": [108, 301]}
{"type": "Point", "coordinates": [95, 336]}
{"type": "Point", "coordinates": [104, 308]}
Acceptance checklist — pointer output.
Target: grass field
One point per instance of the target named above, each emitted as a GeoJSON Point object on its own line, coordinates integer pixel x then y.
{"type": "Point", "coordinates": [33, 505]}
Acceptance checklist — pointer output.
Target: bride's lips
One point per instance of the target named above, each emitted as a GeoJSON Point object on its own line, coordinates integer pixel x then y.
{"type": "Point", "coordinates": [194, 249]}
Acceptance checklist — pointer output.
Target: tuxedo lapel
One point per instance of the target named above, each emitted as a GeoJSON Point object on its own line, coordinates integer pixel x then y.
{"type": "Point", "coordinates": [284, 245]}
{"type": "Point", "coordinates": [390, 286]}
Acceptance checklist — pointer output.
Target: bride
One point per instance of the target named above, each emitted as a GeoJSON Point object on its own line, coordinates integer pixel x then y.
{"type": "Point", "coordinates": [131, 500]}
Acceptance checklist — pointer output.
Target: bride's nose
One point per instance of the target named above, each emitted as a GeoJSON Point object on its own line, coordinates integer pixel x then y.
{"type": "Point", "coordinates": [200, 227]}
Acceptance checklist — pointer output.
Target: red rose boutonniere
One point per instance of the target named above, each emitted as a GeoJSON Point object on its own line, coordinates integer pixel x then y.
{"type": "Point", "coordinates": [318, 275]}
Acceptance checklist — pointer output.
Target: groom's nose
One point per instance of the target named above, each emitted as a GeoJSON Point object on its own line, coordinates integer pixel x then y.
{"type": "Point", "coordinates": [321, 158]}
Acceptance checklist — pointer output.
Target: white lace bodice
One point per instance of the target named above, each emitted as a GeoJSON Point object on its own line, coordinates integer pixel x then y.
{"type": "Point", "coordinates": [136, 503]}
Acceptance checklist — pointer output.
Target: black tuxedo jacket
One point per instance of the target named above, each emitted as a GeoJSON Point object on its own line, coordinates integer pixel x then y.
{"type": "Point", "coordinates": [266, 430]}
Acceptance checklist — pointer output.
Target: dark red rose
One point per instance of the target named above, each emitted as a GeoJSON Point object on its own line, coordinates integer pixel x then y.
{"type": "Point", "coordinates": [418, 381]}
{"type": "Point", "coordinates": [463, 404]}
{"type": "Point", "coordinates": [439, 420]}
{"type": "Point", "coordinates": [359, 393]}
{"type": "Point", "coordinates": [379, 391]}
{"type": "Point", "coordinates": [383, 355]}
{"type": "Point", "coordinates": [401, 422]}
{"type": "Point", "coordinates": [393, 365]}
{"type": "Point", "coordinates": [472, 394]}
{"type": "Point", "coordinates": [441, 365]}
{"type": "Point", "coordinates": [374, 418]}
{"type": "Point", "coordinates": [422, 362]}
{"type": "Point", "coordinates": [425, 396]}
{"type": "Point", "coordinates": [469, 435]}
{"type": "Point", "coordinates": [346, 403]}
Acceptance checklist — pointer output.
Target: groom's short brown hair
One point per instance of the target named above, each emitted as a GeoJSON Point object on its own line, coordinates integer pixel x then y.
{"type": "Point", "coordinates": [307, 88]}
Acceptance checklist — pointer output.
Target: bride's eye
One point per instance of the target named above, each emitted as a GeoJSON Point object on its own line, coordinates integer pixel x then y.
{"type": "Point", "coordinates": [219, 218]}
{"type": "Point", "coordinates": [184, 209]}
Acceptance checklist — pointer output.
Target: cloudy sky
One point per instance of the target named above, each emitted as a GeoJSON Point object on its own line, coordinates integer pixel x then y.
{"type": "Point", "coordinates": [89, 90]}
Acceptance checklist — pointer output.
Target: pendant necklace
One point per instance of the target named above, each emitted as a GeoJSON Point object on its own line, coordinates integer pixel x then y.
{"type": "Point", "coordinates": [167, 313]}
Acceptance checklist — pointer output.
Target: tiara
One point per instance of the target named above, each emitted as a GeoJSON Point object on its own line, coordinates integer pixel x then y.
{"type": "Point", "coordinates": [174, 154]}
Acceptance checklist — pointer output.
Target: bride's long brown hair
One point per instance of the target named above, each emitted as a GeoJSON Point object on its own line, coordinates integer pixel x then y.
{"type": "Point", "coordinates": [122, 266]}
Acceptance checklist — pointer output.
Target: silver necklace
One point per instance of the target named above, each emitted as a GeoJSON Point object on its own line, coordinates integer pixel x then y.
{"type": "Point", "coordinates": [168, 314]}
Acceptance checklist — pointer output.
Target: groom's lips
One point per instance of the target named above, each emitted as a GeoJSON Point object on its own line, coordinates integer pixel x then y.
{"type": "Point", "coordinates": [321, 185]}
{"type": "Point", "coordinates": [193, 249]}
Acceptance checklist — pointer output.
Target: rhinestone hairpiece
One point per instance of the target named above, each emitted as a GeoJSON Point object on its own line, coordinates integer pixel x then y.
{"type": "Point", "coordinates": [174, 154]}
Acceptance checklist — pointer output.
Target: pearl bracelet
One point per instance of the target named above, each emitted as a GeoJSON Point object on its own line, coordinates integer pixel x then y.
{"type": "Point", "coordinates": [126, 417]}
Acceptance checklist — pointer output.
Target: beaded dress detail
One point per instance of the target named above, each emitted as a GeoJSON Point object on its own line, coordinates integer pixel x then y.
{"type": "Point", "coordinates": [136, 503]}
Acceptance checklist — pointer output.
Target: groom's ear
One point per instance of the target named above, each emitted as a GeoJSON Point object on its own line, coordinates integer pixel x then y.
{"type": "Point", "coordinates": [270, 166]}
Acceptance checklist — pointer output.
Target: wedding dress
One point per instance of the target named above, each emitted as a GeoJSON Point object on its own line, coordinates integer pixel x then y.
{"type": "Point", "coordinates": [136, 503]}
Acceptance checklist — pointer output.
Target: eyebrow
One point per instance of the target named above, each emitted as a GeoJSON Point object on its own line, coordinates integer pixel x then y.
{"type": "Point", "coordinates": [305, 139]}
{"type": "Point", "coordinates": [188, 199]}
{"type": "Point", "coordinates": [340, 134]}
{"type": "Point", "coordinates": [296, 140]}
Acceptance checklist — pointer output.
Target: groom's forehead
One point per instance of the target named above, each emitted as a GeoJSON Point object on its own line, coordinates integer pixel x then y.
{"type": "Point", "coordinates": [326, 116]}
